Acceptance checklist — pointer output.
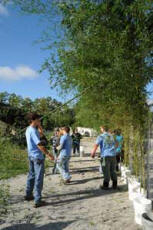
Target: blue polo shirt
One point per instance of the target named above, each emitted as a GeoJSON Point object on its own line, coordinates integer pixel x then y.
{"type": "Point", "coordinates": [33, 139]}
{"type": "Point", "coordinates": [66, 145]}
{"type": "Point", "coordinates": [119, 140]}
{"type": "Point", "coordinates": [107, 145]}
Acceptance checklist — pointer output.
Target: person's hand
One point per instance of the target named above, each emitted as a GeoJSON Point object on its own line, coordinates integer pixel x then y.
{"type": "Point", "coordinates": [50, 157]}
{"type": "Point", "coordinates": [92, 154]}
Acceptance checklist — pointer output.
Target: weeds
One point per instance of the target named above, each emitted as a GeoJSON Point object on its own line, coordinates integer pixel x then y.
{"type": "Point", "coordinates": [4, 197]}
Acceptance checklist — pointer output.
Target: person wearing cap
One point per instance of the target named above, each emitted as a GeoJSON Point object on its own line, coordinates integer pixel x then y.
{"type": "Point", "coordinates": [36, 154]}
{"type": "Point", "coordinates": [55, 141]}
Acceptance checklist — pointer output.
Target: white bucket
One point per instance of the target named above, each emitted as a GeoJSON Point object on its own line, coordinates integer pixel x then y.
{"type": "Point", "coordinates": [127, 173]}
{"type": "Point", "coordinates": [133, 188]}
{"type": "Point", "coordinates": [81, 151]}
{"type": "Point", "coordinates": [141, 205]}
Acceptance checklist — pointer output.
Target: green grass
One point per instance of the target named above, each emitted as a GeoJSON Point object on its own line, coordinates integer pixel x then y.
{"type": "Point", "coordinates": [13, 160]}
{"type": "Point", "coordinates": [4, 196]}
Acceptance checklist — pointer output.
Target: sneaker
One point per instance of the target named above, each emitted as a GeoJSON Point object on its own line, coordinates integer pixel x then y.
{"type": "Point", "coordinates": [67, 181]}
{"type": "Point", "coordinates": [29, 198]}
{"type": "Point", "coordinates": [39, 204]}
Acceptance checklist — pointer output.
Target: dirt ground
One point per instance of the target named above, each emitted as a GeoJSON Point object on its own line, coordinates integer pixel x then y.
{"type": "Point", "coordinates": [81, 205]}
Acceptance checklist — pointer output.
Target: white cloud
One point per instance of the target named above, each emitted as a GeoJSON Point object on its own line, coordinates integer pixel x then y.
{"type": "Point", "coordinates": [18, 73]}
{"type": "Point", "coordinates": [3, 10]}
{"type": "Point", "coordinates": [150, 101]}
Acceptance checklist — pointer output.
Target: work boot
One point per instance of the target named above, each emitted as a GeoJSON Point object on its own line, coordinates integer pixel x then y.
{"type": "Point", "coordinates": [29, 198]}
{"type": "Point", "coordinates": [39, 204]}
{"type": "Point", "coordinates": [114, 186]}
{"type": "Point", "coordinates": [105, 185]}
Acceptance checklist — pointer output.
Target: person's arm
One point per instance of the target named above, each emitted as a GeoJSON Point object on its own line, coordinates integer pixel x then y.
{"type": "Point", "coordinates": [62, 141]}
{"type": "Point", "coordinates": [37, 141]}
{"type": "Point", "coordinates": [93, 152]}
{"type": "Point", "coordinates": [116, 144]}
{"type": "Point", "coordinates": [45, 151]}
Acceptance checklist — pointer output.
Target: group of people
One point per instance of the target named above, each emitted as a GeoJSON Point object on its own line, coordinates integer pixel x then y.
{"type": "Point", "coordinates": [55, 143]}
{"type": "Point", "coordinates": [62, 145]}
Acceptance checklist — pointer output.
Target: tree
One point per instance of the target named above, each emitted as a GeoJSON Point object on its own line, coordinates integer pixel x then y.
{"type": "Point", "coordinates": [15, 101]}
{"type": "Point", "coordinates": [4, 97]}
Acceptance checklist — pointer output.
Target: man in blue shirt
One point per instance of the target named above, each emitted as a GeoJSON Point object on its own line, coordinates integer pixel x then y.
{"type": "Point", "coordinates": [65, 149]}
{"type": "Point", "coordinates": [36, 154]}
{"type": "Point", "coordinates": [108, 157]}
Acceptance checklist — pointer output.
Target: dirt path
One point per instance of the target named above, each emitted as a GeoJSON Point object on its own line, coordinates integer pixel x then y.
{"type": "Point", "coordinates": [78, 206]}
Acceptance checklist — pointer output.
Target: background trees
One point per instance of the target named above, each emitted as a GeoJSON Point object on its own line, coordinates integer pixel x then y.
{"type": "Point", "coordinates": [104, 54]}
{"type": "Point", "coordinates": [13, 111]}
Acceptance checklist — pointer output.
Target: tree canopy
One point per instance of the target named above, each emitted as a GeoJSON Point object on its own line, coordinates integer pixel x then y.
{"type": "Point", "coordinates": [105, 55]}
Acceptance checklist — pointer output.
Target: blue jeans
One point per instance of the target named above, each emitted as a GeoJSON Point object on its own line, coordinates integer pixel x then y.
{"type": "Point", "coordinates": [63, 167]}
{"type": "Point", "coordinates": [35, 178]}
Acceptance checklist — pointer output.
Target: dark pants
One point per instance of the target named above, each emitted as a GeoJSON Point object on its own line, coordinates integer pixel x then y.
{"type": "Point", "coordinates": [76, 147]}
{"type": "Point", "coordinates": [35, 178]}
{"type": "Point", "coordinates": [119, 158]}
{"type": "Point", "coordinates": [55, 154]}
{"type": "Point", "coordinates": [109, 170]}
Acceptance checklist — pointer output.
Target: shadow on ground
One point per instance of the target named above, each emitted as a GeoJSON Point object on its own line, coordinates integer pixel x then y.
{"type": "Point", "coordinates": [85, 169]}
{"type": "Point", "coordinates": [50, 226]}
{"type": "Point", "coordinates": [78, 170]}
{"type": "Point", "coordinates": [84, 160]}
{"type": "Point", "coordinates": [82, 195]}
{"type": "Point", "coordinates": [83, 181]}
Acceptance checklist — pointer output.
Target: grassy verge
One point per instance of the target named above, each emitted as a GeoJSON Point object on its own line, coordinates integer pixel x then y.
{"type": "Point", "coordinates": [4, 196]}
{"type": "Point", "coordinates": [13, 160]}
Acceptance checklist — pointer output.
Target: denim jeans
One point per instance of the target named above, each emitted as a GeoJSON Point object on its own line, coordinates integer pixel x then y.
{"type": "Point", "coordinates": [35, 178]}
{"type": "Point", "coordinates": [63, 166]}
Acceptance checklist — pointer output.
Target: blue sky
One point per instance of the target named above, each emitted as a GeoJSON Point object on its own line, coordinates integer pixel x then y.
{"type": "Point", "coordinates": [21, 57]}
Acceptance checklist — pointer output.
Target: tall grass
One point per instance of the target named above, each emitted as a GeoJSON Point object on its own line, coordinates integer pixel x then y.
{"type": "Point", "coordinates": [4, 197]}
{"type": "Point", "coordinates": [13, 160]}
